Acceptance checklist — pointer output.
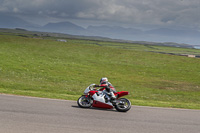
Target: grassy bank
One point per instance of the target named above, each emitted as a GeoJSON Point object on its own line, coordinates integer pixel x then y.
{"type": "Point", "coordinates": [47, 68]}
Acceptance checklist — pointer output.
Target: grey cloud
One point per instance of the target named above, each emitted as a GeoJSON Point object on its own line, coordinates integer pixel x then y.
{"type": "Point", "coordinates": [155, 12]}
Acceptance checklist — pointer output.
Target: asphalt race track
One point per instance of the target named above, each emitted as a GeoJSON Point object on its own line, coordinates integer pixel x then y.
{"type": "Point", "coordinates": [20, 114]}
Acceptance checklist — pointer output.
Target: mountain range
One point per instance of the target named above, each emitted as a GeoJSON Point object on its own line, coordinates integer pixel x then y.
{"type": "Point", "coordinates": [7, 21]}
{"type": "Point", "coordinates": [188, 36]}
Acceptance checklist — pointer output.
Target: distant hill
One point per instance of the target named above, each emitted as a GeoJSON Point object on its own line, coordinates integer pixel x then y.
{"type": "Point", "coordinates": [113, 31]}
{"type": "Point", "coordinates": [174, 32]}
{"type": "Point", "coordinates": [155, 35]}
{"type": "Point", "coordinates": [181, 35]}
{"type": "Point", "coordinates": [21, 32]}
{"type": "Point", "coordinates": [63, 27]}
{"type": "Point", "coordinates": [7, 21]}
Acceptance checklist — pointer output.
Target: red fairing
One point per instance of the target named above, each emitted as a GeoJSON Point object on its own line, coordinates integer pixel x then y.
{"type": "Point", "coordinates": [121, 93]}
{"type": "Point", "coordinates": [92, 93]}
{"type": "Point", "coordinates": [101, 105]}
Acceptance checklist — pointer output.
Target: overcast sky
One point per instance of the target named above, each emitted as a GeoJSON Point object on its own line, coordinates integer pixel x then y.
{"type": "Point", "coordinates": [161, 13]}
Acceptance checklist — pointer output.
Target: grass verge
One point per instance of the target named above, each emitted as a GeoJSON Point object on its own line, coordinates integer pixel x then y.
{"type": "Point", "coordinates": [51, 69]}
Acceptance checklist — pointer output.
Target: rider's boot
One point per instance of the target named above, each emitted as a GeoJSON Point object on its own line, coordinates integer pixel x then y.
{"type": "Point", "coordinates": [112, 97]}
{"type": "Point", "coordinates": [106, 99]}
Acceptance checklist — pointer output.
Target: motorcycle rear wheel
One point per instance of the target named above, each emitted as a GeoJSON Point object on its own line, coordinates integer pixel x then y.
{"type": "Point", "coordinates": [123, 105]}
{"type": "Point", "coordinates": [84, 102]}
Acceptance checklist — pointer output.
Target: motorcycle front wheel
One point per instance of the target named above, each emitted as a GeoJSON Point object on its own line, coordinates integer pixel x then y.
{"type": "Point", "coordinates": [123, 105]}
{"type": "Point", "coordinates": [84, 102]}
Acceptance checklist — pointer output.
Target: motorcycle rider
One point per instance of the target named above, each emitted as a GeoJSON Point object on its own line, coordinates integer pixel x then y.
{"type": "Point", "coordinates": [110, 90]}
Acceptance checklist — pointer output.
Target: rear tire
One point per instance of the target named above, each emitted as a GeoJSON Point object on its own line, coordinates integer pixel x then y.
{"type": "Point", "coordinates": [84, 102]}
{"type": "Point", "coordinates": [123, 105]}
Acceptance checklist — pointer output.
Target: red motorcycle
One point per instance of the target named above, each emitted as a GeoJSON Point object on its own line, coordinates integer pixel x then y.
{"type": "Point", "coordinates": [100, 99]}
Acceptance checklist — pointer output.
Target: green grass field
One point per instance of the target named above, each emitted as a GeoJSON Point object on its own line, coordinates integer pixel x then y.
{"type": "Point", "coordinates": [51, 69]}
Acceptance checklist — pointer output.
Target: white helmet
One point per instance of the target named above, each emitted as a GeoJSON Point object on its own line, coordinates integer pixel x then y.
{"type": "Point", "coordinates": [104, 80]}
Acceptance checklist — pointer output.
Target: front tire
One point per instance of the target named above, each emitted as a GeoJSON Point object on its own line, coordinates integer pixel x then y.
{"type": "Point", "coordinates": [84, 102]}
{"type": "Point", "coordinates": [123, 105]}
